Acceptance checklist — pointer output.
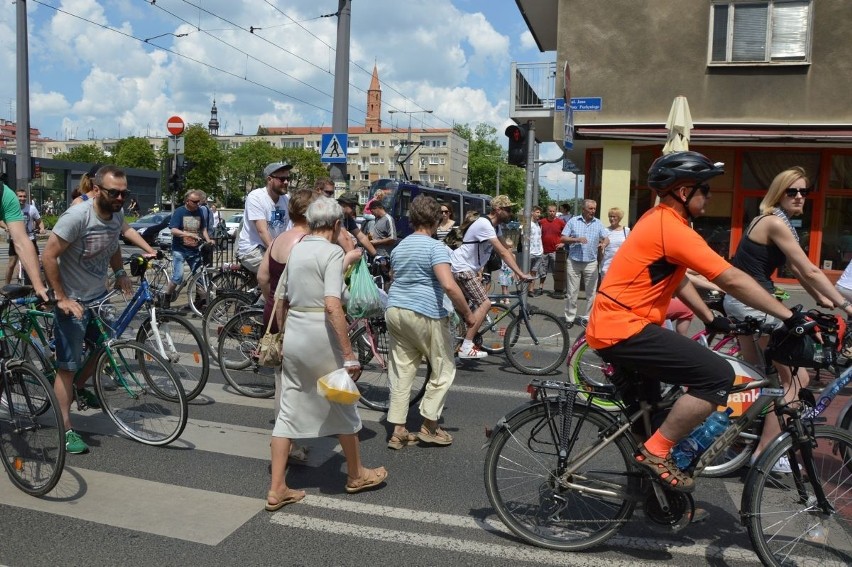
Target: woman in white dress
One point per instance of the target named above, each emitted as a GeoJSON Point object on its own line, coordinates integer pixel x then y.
{"type": "Point", "coordinates": [316, 343]}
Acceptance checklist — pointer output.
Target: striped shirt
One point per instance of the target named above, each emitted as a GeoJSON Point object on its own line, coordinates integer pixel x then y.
{"type": "Point", "coordinates": [415, 286]}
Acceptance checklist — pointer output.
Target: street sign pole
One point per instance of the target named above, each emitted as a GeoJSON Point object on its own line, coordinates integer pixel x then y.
{"type": "Point", "coordinates": [528, 197]}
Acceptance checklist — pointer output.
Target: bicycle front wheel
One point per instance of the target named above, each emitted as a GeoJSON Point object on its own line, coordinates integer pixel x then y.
{"type": "Point", "coordinates": [182, 347]}
{"type": "Point", "coordinates": [237, 349]}
{"type": "Point", "coordinates": [32, 437]}
{"type": "Point", "coordinates": [493, 329]}
{"type": "Point", "coordinates": [537, 344]}
{"type": "Point", "coordinates": [372, 343]}
{"type": "Point", "coordinates": [546, 508]}
{"type": "Point", "coordinates": [786, 523]}
{"type": "Point", "coordinates": [140, 394]}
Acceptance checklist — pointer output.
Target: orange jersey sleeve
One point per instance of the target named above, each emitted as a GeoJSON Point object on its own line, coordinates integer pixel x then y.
{"type": "Point", "coordinates": [645, 273]}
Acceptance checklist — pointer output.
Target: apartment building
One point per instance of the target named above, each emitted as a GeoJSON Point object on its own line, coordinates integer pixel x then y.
{"type": "Point", "coordinates": [765, 83]}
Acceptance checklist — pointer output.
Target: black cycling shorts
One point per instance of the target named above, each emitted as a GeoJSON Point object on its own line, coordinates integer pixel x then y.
{"type": "Point", "coordinates": [672, 358]}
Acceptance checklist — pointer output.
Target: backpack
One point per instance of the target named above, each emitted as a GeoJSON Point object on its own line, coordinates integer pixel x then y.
{"type": "Point", "coordinates": [455, 238]}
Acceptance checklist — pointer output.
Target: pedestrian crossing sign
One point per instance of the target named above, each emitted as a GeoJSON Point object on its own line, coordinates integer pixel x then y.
{"type": "Point", "coordinates": [333, 148]}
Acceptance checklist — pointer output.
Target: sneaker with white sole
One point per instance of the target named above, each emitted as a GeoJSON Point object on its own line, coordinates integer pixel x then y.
{"type": "Point", "coordinates": [782, 466]}
{"type": "Point", "coordinates": [74, 444]}
{"type": "Point", "coordinates": [473, 352]}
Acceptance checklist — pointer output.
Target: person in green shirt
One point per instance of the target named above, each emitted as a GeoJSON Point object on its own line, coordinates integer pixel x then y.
{"type": "Point", "coordinates": [11, 216]}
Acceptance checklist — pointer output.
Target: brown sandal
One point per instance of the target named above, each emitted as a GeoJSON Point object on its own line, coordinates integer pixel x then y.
{"type": "Point", "coordinates": [400, 440]}
{"type": "Point", "coordinates": [664, 471]}
{"type": "Point", "coordinates": [289, 496]}
{"type": "Point", "coordinates": [370, 478]}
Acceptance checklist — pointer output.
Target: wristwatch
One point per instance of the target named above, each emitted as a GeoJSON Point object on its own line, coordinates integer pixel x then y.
{"type": "Point", "coordinates": [845, 304]}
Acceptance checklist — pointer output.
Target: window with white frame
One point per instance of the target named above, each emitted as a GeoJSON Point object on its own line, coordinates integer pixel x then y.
{"type": "Point", "coordinates": [772, 31]}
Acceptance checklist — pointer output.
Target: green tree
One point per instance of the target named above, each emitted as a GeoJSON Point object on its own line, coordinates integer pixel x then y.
{"type": "Point", "coordinates": [485, 157]}
{"type": "Point", "coordinates": [202, 151]}
{"type": "Point", "coordinates": [243, 167]}
{"type": "Point", "coordinates": [307, 167]}
{"type": "Point", "coordinates": [88, 153]}
{"type": "Point", "coordinates": [135, 152]}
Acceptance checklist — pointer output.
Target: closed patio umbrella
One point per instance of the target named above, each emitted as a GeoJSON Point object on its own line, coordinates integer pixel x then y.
{"type": "Point", "coordinates": [678, 124]}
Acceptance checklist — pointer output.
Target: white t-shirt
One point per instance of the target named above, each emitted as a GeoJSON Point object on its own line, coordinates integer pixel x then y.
{"type": "Point", "coordinates": [616, 239]}
{"type": "Point", "coordinates": [536, 246]}
{"type": "Point", "coordinates": [471, 257]}
{"type": "Point", "coordinates": [260, 206]}
{"type": "Point", "coordinates": [846, 279]}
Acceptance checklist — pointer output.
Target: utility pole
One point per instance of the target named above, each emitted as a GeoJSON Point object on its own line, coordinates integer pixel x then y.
{"type": "Point", "coordinates": [22, 136]}
{"type": "Point", "coordinates": [340, 107]}
{"type": "Point", "coordinates": [528, 195]}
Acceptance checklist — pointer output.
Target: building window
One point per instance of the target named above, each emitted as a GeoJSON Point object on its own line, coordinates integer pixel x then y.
{"type": "Point", "coordinates": [775, 31]}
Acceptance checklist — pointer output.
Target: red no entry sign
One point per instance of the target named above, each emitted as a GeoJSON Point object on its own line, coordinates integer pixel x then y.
{"type": "Point", "coordinates": [175, 125]}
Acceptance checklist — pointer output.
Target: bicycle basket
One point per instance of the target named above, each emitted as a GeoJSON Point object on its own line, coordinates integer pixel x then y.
{"type": "Point", "coordinates": [805, 351]}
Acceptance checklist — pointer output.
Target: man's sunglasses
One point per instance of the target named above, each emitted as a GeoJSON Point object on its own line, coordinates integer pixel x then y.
{"type": "Point", "coordinates": [793, 191]}
{"type": "Point", "coordinates": [703, 187]}
{"type": "Point", "coordinates": [116, 193]}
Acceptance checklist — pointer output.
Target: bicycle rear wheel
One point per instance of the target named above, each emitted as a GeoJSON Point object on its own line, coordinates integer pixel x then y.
{"type": "Point", "coordinates": [218, 312]}
{"type": "Point", "coordinates": [531, 498]}
{"type": "Point", "coordinates": [537, 345]}
{"type": "Point", "coordinates": [140, 394]}
{"type": "Point", "coordinates": [183, 348]}
{"type": "Point", "coordinates": [374, 383]}
{"type": "Point", "coordinates": [32, 437]}
{"type": "Point", "coordinates": [232, 280]}
{"type": "Point", "coordinates": [237, 350]}
{"type": "Point", "coordinates": [785, 522]}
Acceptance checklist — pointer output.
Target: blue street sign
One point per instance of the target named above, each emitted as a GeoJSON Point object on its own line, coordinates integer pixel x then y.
{"type": "Point", "coordinates": [559, 105]}
{"type": "Point", "coordinates": [594, 104]}
{"type": "Point", "coordinates": [333, 148]}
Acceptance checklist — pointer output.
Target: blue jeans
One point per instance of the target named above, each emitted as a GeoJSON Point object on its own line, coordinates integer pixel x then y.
{"type": "Point", "coordinates": [192, 257]}
{"type": "Point", "coordinates": [70, 333]}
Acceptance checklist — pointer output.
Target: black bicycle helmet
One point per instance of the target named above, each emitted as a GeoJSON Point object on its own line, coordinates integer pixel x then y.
{"type": "Point", "coordinates": [681, 168]}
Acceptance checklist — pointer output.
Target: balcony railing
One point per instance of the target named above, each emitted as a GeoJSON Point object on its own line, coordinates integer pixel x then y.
{"type": "Point", "coordinates": [533, 87]}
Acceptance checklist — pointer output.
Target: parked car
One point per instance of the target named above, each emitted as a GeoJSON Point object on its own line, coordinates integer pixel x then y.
{"type": "Point", "coordinates": [232, 223]}
{"type": "Point", "coordinates": [164, 238]}
{"type": "Point", "coordinates": [150, 226]}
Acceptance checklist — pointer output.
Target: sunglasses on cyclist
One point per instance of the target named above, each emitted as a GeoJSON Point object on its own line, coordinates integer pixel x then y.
{"type": "Point", "coordinates": [116, 193]}
{"type": "Point", "coordinates": [793, 191]}
{"type": "Point", "coordinates": [703, 187]}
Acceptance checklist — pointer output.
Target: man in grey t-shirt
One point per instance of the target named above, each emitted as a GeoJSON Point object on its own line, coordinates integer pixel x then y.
{"type": "Point", "coordinates": [77, 258]}
{"type": "Point", "coordinates": [383, 232]}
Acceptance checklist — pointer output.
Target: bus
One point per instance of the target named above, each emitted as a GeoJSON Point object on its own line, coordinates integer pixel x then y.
{"type": "Point", "coordinates": [401, 193]}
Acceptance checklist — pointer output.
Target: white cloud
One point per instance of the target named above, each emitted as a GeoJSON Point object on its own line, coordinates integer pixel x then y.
{"type": "Point", "coordinates": [85, 76]}
{"type": "Point", "coordinates": [528, 41]}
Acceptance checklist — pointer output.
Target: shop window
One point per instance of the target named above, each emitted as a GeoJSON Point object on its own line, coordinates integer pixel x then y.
{"type": "Point", "coordinates": [773, 31]}
{"type": "Point", "coordinates": [836, 249]}
{"type": "Point", "coordinates": [840, 176]}
{"type": "Point", "coordinates": [761, 167]}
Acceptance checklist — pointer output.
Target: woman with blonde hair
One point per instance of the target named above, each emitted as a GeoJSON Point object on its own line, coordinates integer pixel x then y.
{"type": "Point", "coordinates": [87, 188]}
{"type": "Point", "coordinates": [616, 234]}
{"type": "Point", "coordinates": [771, 242]}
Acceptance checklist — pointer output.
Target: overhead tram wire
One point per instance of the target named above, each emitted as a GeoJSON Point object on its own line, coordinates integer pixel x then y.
{"type": "Point", "coordinates": [252, 29]}
{"type": "Point", "coordinates": [188, 58]}
{"type": "Point", "coordinates": [354, 63]}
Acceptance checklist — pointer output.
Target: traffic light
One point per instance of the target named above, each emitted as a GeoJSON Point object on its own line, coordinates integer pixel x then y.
{"type": "Point", "coordinates": [517, 135]}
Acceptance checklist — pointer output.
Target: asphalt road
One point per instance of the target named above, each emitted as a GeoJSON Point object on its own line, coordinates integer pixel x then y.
{"type": "Point", "coordinates": [200, 501]}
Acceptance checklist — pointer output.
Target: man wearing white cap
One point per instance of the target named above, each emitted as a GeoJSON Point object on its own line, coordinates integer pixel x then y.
{"type": "Point", "coordinates": [265, 215]}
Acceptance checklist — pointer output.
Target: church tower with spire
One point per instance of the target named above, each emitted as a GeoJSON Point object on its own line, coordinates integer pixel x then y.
{"type": "Point", "coordinates": [373, 122]}
{"type": "Point", "coordinates": [213, 125]}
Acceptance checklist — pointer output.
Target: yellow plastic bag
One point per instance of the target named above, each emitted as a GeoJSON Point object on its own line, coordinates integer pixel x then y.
{"type": "Point", "coordinates": [338, 387]}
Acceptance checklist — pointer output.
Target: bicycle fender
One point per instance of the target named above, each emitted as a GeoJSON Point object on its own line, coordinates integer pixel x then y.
{"type": "Point", "coordinates": [501, 423]}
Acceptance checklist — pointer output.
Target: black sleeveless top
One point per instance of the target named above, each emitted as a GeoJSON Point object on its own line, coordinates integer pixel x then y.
{"type": "Point", "coordinates": [758, 260]}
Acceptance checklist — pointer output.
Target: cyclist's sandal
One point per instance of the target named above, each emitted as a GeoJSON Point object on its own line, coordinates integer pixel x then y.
{"type": "Point", "coordinates": [277, 500]}
{"type": "Point", "coordinates": [370, 479]}
{"type": "Point", "coordinates": [400, 440]}
{"type": "Point", "coordinates": [664, 471]}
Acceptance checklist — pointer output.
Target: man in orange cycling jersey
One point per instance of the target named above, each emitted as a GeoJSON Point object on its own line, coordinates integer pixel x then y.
{"type": "Point", "coordinates": [649, 268]}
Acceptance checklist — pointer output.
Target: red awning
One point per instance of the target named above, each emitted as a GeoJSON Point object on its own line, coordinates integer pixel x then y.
{"type": "Point", "coordinates": [710, 134]}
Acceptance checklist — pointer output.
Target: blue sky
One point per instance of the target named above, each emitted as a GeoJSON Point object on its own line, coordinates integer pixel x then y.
{"type": "Point", "coordinates": [89, 80]}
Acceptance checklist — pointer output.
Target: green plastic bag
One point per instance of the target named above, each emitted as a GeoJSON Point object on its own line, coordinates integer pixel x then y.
{"type": "Point", "coordinates": [364, 298]}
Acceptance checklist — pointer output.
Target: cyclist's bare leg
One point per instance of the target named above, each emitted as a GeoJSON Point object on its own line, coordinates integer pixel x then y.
{"type": "Point", "coordinates": [10, 269]}
{"type": "Point", "coordinates": [479, 315]}
{"type": "Point", "coordinates": [684, 416]}
{"type": "Point", "coordinates": [771, 427]}
{"type": "Point", "coordinates": [64, 394]}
